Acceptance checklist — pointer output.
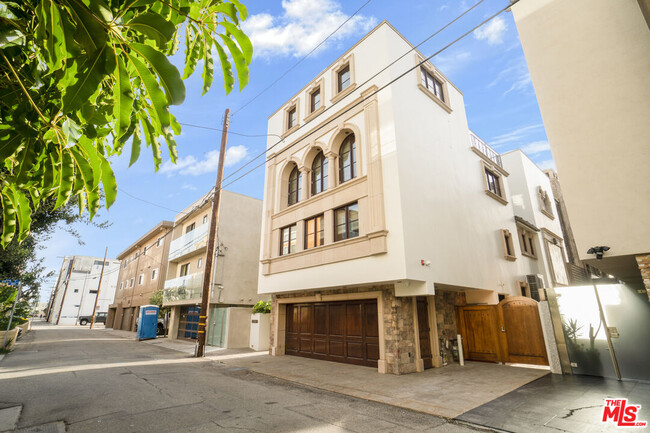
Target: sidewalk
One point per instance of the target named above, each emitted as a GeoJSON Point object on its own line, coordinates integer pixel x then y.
{"type": "Point", "coordinates": [560, 403]}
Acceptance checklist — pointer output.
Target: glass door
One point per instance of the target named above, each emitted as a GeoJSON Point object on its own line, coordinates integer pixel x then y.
{"type": "Point", "coordinates": [188, 324]}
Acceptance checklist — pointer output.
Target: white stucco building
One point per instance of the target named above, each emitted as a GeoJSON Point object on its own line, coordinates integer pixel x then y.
{"type": "Point", "coordinates": [385, 217]}
{"type": "Point", "coordinates": [77, 288]}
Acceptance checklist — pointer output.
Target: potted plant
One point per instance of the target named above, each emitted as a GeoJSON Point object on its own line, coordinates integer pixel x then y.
{"type": "Point", "coordinates": [260, 326]}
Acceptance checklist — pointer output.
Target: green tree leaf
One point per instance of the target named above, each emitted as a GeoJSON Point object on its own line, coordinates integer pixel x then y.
{"type": "Point", "coordinates": [240, 62]}
{"type": "Point", "coordinates": [66, 178]}
{"type": "Point", "coordinates": [123, 97]}
{"type": "Point", "coordinates": [167, 73]}
{"type": "Point", "coordinates": [156, 96]}
{"type": "Point", "coordinates": [226, 68]}
{"type": "Point", "coordinates": [242, 40]}
{"type": "Point", "coordinates": [154, 26]}
{"type": "Point", "coordinates": [88, 79]}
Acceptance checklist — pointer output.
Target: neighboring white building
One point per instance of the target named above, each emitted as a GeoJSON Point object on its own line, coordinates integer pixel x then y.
{"type": "Point", "coordinates": [589, 62]}
{"type": "Point", "coordinates": [385, 217]}
{"type": "Point", "coordinates": [77, 285]}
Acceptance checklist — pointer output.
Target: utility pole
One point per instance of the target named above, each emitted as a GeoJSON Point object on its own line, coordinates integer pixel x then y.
{"type": "Point", "coordinates": [65, 291]}
{"type": "Point", "coordinates": [99, 286]}
{"type": "Point", "coordinates": [207, 272]}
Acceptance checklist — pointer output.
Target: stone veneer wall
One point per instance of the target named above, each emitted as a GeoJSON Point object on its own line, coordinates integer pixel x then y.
{"type": "Point", "coordinates": [399, 327]}
{"type": "Point", "coordinates": [446, 302]}
{"type": "Point", "coordinates": [644, 266]}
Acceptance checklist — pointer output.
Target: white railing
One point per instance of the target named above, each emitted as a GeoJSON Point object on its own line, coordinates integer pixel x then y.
{"type": "Point", "coordinates": [189, 242]}
{"type": "Point", "coordinates": [485, 149]}
{"type": "Point", "coordinates": [183, 288]}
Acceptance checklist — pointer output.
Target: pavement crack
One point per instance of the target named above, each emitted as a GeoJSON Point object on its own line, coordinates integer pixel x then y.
{"type": "Point", "coordinates": [573, 411]}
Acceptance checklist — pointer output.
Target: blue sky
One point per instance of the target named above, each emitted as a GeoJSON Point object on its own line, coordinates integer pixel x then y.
{"type": "Point", "coordinates": [488, 66]}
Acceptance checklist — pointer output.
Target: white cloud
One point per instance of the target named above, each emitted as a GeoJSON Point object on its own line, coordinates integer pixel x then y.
{"type": "Point", "coordinates": [514, 135]}
{"type": "Point", "coordinates": [190, 187]}
{"type": "Point", "coordinates": [515, 75]}
{"type": "Point", "coordinates": [546, 164]}
{"type": "Point", "coordinates": [190, 165]}
{"type": "Point", "coordinates": [536, 147]}
{"type": "Point", "coordinates": [493, 31]}
{"type": "Point", "coordinates": [302, 26]}
{"type": "Point", "coordinates": [453, 61]}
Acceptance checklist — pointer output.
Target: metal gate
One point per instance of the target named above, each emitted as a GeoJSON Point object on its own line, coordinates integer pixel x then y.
{"type": "Point", "coordinates": [508, 332]}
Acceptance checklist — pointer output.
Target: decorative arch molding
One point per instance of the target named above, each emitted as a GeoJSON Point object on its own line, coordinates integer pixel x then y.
{"type": "Point", "coordinates": [283, 180]}
{"type": "Point", "coordinates": [339, 135]}
{"type": "Point", "coordinates": [310, 154]}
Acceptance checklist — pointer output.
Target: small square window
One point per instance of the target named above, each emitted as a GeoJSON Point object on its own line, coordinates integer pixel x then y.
{"type": "Point", "coordinates": [343, 77]}
{"type": "Point", "coordinates": [433, 84]}
{"type": "Point", "coordinates": [527, 242]}
{"type": "Point", "coordinates": [508, 245]}
{"type": "Point", "coordinates": [190, 228]}
{"type": "Point", "coordinates": [292, 117]}
{"type": "Point", "coordinates": [346, 222]}
{"type": "Point", "coordinates": [288, 239]}
{"type": "Point", "coordinates": [493, 182]}
{"type": "Point", "coordinates": [314, 100]}
{"type": "Point", "coordinates": [314, 232]}
{"type": "Point", "coordinates": [185, 269]}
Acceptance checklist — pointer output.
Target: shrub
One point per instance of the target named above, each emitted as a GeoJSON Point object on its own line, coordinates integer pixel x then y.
{"type": "Point", "coordinates": [263, 307]}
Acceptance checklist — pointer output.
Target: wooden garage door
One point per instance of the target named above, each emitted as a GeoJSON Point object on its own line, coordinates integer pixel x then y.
{"type": "Point", "coordinates": [334, 331]}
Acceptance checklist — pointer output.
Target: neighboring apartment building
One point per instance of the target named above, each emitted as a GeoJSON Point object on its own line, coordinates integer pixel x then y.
{"type": "Point", "coordinates": [77, 288]}
{"type": "Point", "coordinates": [234, 266]}
{"type": "Point", "coordinates": [143, 270]}
{"type": "Point", "coordinates": [386, 219]}
{"type": "Point", "coordinates": [589, 63]}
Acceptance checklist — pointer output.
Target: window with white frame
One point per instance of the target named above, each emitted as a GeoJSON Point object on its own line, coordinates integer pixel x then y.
{"type": "Point", "coordinates": [288, 236]}
{"type": "Point", "coordinates": [154, 274]}
{"type": "Point", "coordinates": [140, 279]}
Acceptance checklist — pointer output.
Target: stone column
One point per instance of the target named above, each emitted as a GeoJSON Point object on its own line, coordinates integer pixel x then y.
{"type": "Point", "coordinates": [332, 172]}
{"type": "Point", "coordinates": [643, 262]}
{"type": "Point", "coordinates": [305, 183]}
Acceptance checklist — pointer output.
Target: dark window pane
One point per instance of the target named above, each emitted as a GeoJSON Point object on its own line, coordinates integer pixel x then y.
{"type": "Point", "coordinates": [315, 100]}
{"type": "Point", "coordinates": [344, 78]}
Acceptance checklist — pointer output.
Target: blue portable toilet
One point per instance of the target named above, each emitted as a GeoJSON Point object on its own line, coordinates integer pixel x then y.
{"type": "Point", "coordinates": [148, 322]}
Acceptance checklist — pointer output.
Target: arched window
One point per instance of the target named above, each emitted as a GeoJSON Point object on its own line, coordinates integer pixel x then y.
{"type": "Point", "coordinates": [347, 161]}
{"type": "Point", "coordinates": [294, 186]}
{"type": "Point", "coordinates": [319, 174]}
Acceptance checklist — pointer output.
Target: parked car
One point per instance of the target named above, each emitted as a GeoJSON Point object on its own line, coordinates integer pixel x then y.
{"type": "Point", "coordinates": [99, 318]}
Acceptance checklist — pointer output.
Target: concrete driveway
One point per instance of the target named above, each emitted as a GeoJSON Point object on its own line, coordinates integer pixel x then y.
{"type": "Point", "coordinates": [448, 391]}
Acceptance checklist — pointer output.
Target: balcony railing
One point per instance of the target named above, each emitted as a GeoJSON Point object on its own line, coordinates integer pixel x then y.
{"type": "Point", "coordinates": [486, 150]}
{"type": "Point", "coordinates": [183, 288]}
{"type": "Point", "coordinates": [189, 242]}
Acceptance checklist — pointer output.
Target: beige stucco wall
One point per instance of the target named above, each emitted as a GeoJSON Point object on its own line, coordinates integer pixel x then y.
{"type": "Point", "coordinates": [589, 61]}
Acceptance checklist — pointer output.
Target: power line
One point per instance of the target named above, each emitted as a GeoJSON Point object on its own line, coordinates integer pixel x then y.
{"type": "Point", "coordinates": [363, 100]}
{"type": "Point", "coordinates": [362, 85]}
{"type": "Point", "coordinates": [372, 94]}
{"type": "Point", "coordinates": [301, 60]}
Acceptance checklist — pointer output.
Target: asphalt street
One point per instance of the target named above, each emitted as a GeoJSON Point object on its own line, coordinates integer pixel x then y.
{"type": "Point", "coordinates": [94, 381]}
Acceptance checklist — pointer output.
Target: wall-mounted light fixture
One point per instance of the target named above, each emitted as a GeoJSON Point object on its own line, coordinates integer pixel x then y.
{"type": "Point", "coordinates": [599, 251]}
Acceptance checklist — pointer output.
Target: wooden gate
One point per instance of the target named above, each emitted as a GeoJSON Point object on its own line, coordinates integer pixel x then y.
{"type": "Point", "coordinates": [508, 332]}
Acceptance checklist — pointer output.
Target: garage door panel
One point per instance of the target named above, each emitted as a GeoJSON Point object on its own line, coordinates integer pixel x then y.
{"type": "Point", "coordinates": [305, 344]}
{"type": "Point", "coordinates": [320, 346]}
{"type": "Point", "coordinates": [354, 320]}
{"type": "Point", "coordinates": [372, 350]}
{"type": "Point", "coordinates": [306, 319]}
{"type": "Point", "coordinates": [337, 320]}
{"type": "Point", "coordinates": [336, 348]}
{"type": "Point", "coordinates": [355, 349]}
{"type": "Point", "coordinates": [320, 319]}
{"type": "Point", "coordinates": [336, 331]}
